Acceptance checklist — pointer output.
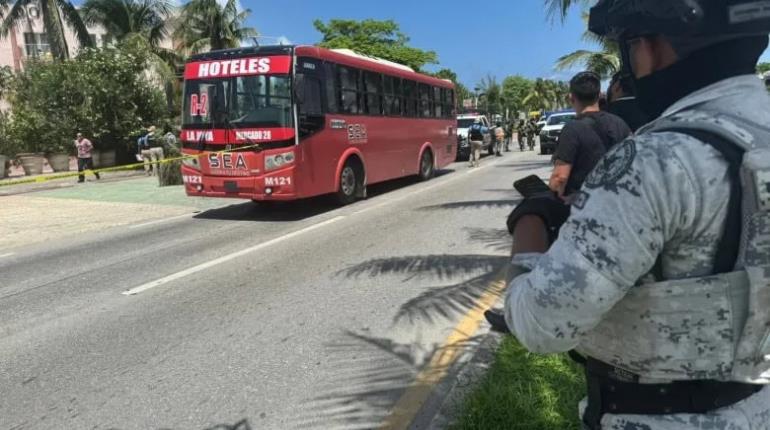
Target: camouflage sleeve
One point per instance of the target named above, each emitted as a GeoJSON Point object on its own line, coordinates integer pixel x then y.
{"type": "Point", "coordinates": [638, 197]}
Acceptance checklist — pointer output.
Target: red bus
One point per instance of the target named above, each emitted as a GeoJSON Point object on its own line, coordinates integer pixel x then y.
{"type": "Point", "coordinates": [289, 122]}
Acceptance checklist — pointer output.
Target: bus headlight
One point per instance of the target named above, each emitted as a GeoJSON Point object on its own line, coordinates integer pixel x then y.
{"type": "Point", "coordinates": [191, 161]}
{"type": "Point", "coordinates": [276, 161]}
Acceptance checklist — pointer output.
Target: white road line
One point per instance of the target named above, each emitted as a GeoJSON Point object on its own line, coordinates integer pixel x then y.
{"type": "Point", "coordinates": [8, 254]}
{"type": "Point", "coordinates": [158, 221]}
{"type": "Point", "coordinates": [226, 258]}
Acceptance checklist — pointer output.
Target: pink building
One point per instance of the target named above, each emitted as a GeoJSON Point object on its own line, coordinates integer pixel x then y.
{"type": "Point", "coordinates": [29, 40]}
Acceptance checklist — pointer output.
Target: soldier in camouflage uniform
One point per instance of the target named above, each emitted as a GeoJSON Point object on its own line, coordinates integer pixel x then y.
{"type": "Point", "coordinates": [660, 277]}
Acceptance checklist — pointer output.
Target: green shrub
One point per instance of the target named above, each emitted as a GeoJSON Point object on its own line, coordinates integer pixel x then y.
{"type": "Point", "coordinates": [104, 93]}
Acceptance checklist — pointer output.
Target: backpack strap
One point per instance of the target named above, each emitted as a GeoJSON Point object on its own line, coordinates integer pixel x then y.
{"type": "Point", "coordinates": [730, 243]}
{"type": "Point", "coordinates": [600, 131]}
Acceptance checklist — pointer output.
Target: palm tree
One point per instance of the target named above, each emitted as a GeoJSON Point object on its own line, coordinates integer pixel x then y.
{"type": "Point", "coordinates": [559, 8]}
{"type": "Point", "coordinates": [604, 62]}
{"type": "Point", "coordinates": [542, 96]}
{"type": "Point", "coordinates": [207, 24]}
{"type": "Point", "coordinates": [56, 15]}
{"type": "Point", "coordinates": [124, 18]}
{"type": "Point", "coordinates": [142, 23]}
{"type": "Point", "coordinates": [492, 93]}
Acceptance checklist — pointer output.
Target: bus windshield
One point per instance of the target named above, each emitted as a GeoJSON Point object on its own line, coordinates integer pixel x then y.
{"type": "Point", "coordinates": [244, 101]}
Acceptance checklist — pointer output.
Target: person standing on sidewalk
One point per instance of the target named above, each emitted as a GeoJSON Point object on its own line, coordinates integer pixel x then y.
{"type": "Point", "coordinates": [476, 136]}
{"type": "Point", "coordinates": [85, 161]}
{"type": "Point", "coordinates": [152, 152]}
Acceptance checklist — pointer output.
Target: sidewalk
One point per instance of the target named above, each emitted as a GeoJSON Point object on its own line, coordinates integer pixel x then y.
{"type": "Point", "coordinates": [70, 208]}
{"type": "Point", "coordinates": [16, 173]}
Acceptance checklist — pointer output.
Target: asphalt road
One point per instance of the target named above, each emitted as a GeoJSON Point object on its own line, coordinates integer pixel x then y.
{"type": "Point", "coordinates": [303, 315]}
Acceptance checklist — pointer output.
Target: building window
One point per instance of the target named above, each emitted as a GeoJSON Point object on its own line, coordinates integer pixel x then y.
{"type": "Point", "coordinates": [36, 44]}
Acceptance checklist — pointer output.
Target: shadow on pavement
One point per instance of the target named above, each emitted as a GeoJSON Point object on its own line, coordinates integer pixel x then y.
{"type": "Point", "coordinates": [374, 372]}
{"type": "Point", "coordinates": [240, 425]}
{"type": "Point", "coordinates": [300, 209]}
{"type": "Point", "coordinates": [526, 165]}
{"type": "Point", "coordinates": [497, 239]}
{"type": "Point", "coordinates": [473, 204]}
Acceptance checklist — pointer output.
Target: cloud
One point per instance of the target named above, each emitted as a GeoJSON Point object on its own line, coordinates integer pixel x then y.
{"type": "Point", "coordinates": [283, 40]}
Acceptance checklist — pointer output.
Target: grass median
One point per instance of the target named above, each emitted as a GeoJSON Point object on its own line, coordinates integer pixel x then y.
{"type": "Point", "coordinates": [525, 391]}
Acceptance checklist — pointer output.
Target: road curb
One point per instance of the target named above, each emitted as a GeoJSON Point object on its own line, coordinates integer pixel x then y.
{"type": "Point", "coordinates": [466, 379]}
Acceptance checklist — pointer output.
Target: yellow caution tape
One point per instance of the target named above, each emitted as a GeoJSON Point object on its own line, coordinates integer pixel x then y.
{"type": "Point", "coordinates": [46, 178]}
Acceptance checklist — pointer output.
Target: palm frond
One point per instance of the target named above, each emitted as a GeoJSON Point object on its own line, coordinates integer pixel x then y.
{"type": "Point", "coordinates": [73, 18]}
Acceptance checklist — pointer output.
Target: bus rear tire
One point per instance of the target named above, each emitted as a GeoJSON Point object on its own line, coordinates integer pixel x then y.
{"type": "Point", "coordinates": [427, 168]}
{"type": "Point", "coordinates": [351, 182]}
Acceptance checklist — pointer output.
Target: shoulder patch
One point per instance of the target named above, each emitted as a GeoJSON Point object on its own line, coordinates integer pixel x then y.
{"type": "Point", "coordinates": [613, 166]}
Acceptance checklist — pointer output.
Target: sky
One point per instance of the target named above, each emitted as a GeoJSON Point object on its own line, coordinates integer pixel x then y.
{"type": "Point", "coordinates": [473, 39]}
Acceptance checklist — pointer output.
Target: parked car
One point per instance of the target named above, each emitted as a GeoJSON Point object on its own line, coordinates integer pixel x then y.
{"type": "Point", "coordinates": [464, 122]}
{"type": "Point", "coordinates": [549, 135]}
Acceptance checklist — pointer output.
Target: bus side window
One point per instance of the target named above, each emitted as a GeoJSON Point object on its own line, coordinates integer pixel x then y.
{"type": "Point", "coordinates": [438, 103]}
{"type": "Point", "coordinates": [425, 99]}
{"type": "Point", "coordinates": [349, 90]}
{"type": "Point", "coordinates": [332, 88]}
{"type": "Point", "coordinates": [449, 106]}
{"type": "Point", "coordinates": [398, 98]}
{"type": "Point", "coordinates": [373, 88]}
{"type": "Point", "coordinates": [311, 105]}
{"type": "Point", "coordinates": [410, 98]}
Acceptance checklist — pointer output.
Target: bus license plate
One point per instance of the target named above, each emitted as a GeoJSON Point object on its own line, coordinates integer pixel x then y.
{"type": "Point", "coordinates": [231, 186]}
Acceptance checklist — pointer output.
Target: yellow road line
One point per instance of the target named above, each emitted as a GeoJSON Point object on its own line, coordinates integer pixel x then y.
{"type": "Point", "coordinates": [412, 400]}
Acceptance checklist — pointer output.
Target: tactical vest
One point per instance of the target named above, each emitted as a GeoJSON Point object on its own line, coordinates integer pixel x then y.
{"type": "Point", "coordinates": [712, 327]}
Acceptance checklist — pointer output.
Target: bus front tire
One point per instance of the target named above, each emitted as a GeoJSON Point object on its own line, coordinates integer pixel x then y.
{"type": "Point", "coordinates": [351, 182]}
{"type": "Point", "coordinates": [427, 168]}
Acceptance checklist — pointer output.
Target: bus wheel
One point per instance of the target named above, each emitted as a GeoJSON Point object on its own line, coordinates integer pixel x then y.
{"type": "Point", "coordinates": [351, 180]}
{"type": "Point", "coordinates": [427, 169]}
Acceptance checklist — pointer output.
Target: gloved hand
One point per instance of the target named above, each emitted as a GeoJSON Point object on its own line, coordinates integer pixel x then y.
{"type": "Point", "coordinates": [549, 207]}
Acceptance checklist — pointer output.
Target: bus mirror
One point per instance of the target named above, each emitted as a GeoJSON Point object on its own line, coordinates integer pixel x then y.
{"type": "Point", "coordinates": [299, 88]}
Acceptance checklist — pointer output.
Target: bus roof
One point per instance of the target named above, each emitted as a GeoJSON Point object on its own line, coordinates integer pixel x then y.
{"type": "Point", "coordinates": [341, 56]}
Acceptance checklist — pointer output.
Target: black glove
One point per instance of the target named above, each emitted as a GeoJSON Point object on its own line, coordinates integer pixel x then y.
{"type": "Point", "coordinates": [549, 207]}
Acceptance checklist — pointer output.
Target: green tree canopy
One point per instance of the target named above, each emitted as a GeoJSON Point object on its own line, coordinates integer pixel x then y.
{"type": "Point", "coordinates": [382, 39]}
{"type": "Point", "coordinates": [763, 68]}
{"type": "Point", "coordinates": [103, 93]}
{"type": "Point", "coordinates": [122, 18]}
{"type": "Point", "coordinates": [490, 95]}
{"type": "Point", "coordinates": [209, 25]}
{"type": "Point", "coordinates": [515, 90]}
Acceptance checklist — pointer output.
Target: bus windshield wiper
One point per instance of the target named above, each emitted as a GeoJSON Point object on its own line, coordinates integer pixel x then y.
{"type": "Point", "coordinates": [229, 127]}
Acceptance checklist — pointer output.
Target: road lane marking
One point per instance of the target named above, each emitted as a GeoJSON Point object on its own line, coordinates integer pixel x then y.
{"type": "Point", "coordinates": [410, 403]}
{"type": "Point", "coordinates": [158, 221]}
{"type": "Point", "coordinates": [226, 258]}
{"type": "Point", "coordinates": [8, 254]}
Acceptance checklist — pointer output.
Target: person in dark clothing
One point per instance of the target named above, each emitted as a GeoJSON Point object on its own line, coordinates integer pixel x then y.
{"type": "Point", "coordinates": [585, 140]}
{"type": "Point", "coordinates": [622, 102]}
{"type": "Point", "coordinates": [582, 144]}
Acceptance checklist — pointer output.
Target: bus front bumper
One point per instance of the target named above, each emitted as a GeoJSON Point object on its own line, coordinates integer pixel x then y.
{"type": "Point", "coordinates": [278, 185]}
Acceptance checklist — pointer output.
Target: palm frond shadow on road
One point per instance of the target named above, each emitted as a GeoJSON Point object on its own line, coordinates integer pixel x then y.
{"type": "Point", "coordinates": [473, 204]}
{"type": "Point", "coordinates": [497, 239]}
{"type": "Point", "coordinates": [373, 373]}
